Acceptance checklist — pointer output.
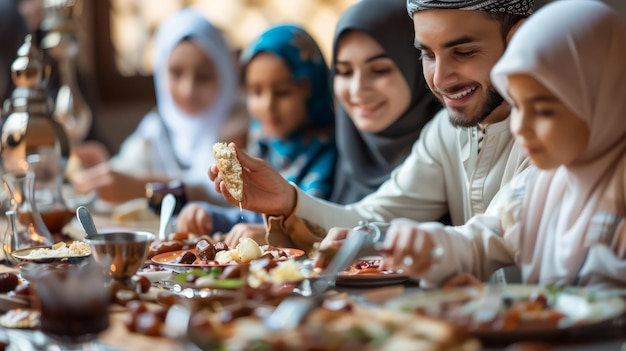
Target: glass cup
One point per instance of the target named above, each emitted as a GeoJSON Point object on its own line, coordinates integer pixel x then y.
{"type": "Point", "coordinates": [155, 192]}
{"type": "Point", "coordinates": [73, 302]}
{"type": "Point", "coordinates": [53, 209]}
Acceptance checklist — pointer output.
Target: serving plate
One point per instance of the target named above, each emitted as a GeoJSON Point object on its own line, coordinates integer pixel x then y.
{"type": "Point", "coordinates": [366, 271]}
{"type": "Point", "coordinates": [168, 259]}
{"type": "Point", "coordinates": [371, 279]}
{"type": "Point", "coordinates": [582, 310]}
{"type": "Point", "coordinates": [23, 255]}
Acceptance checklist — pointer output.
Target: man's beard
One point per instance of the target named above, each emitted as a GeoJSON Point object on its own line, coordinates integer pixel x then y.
{"type": "Point", "coordinates": [458, 119]}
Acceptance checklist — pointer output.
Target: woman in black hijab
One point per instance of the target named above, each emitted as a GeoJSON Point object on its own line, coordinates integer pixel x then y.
{"type": "Point", "coordinates": [367, 158]}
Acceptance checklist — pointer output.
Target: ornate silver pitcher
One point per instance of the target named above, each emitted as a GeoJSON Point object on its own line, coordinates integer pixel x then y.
{"type": "Point", "coordinates": [28, 126]}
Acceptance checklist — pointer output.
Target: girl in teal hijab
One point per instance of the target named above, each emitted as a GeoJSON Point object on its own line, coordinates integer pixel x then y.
{"type": "Point", "coordinates": [298, 141]}
{"type": "Point", "coordinates": [289, 98]}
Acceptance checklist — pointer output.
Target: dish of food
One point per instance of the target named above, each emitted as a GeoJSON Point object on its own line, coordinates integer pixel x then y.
{"type": "Point", "coordinates": [173, 258]}
{"type": "Point", "coordinates": [367, 272]}
{"type": "Point", "coordinates": [514, 312]}
{"type": "Point", "coordinates": [61, 251]}
{"type": "Point", "coordinates": [343, 325]}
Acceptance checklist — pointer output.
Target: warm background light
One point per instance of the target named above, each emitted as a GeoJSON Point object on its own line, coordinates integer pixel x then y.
{"type": "Point", "coordinates": [134, 22]}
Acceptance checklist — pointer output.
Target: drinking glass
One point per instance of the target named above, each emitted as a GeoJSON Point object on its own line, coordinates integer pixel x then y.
{"type": "Point", "coordinates": [73, 302]}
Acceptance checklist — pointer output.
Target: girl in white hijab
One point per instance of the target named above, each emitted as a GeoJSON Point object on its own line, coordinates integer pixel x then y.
{"type": "Point", "coordinates": [195, 97]}
{"type": "Point", "coordinates": [563, 221]}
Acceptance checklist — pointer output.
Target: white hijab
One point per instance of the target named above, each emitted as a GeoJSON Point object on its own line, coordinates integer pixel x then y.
{"type": "Point", "coordinates": [192, 137]}
{"type": "Point", "coordinates": [576, 48]}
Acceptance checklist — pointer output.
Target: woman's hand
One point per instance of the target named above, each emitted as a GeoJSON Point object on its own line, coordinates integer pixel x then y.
{"type": "Point", "coordinates": [255, 232]}
{"type": "Point", "coordinates": [111, 186]}
{"type": "Point", "coordinates": [194, 218]}
{"type": "Point", "coordinates": [264, 189]}
{"type": "Point", "coordinates": [408, 247]}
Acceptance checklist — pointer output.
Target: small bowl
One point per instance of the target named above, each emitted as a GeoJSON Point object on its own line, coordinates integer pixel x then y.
{"type": "Point", "coordinates": [121, 252]}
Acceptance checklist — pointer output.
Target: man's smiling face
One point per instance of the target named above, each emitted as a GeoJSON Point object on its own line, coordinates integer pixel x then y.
{"type": "Point", "coordinates": [458, 49]}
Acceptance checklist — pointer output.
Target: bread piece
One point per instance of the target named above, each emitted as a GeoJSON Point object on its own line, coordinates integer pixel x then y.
{"type": "Point", "coordinates": [230, 169]}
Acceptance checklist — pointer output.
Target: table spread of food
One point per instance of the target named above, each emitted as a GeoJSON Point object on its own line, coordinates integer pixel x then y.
{"type": "Point", "coordinates": [201, 294]}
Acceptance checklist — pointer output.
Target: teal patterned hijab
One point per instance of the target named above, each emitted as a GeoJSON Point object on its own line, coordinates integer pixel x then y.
{"type": "Point", "coordinates": [306, 157]}
{"type": "Point", "coordinates": [305, 60]}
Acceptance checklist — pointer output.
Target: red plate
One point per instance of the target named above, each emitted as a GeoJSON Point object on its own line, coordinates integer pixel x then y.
{"type": "Point", "coordinates": [168, 258]}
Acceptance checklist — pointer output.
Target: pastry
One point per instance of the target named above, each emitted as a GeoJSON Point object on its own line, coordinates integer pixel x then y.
{"type": "Point", "coordinates": [230, 169]}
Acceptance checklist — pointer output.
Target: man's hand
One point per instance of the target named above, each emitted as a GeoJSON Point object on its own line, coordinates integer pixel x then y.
{"type": "Point", "coordinates": [264, 189]}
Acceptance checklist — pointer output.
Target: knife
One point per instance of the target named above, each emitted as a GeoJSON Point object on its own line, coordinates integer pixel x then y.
{"type": "Point", "coordinates": [291, 311]}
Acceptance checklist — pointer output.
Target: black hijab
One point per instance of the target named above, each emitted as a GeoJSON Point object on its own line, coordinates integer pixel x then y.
{"type": "Point", "coordinates": [366, 159]}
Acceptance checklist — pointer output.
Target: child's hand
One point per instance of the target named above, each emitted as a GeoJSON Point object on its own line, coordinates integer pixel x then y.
{"type": "Point", "coordinates": [255, 232]}
{"type": "Point", "coordinates": [91, 153]}
{"type": "Point", "coordinates": [264, 189]}
{"type": "Point", "coordinates": [111, 186]}
{"type": "Point", "coordinates": [329, 246]}
{"type": "Point", "coordinates": [194, 218]}
{"type": "Point", "coordinates": [408, 248]}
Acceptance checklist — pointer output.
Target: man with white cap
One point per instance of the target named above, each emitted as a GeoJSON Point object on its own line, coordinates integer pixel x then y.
{"type": "Point", "coordinates": [447, 170]}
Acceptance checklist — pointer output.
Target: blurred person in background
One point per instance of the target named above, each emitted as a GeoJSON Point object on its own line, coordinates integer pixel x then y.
{"type": "Point", "coordinates": [196, 85]}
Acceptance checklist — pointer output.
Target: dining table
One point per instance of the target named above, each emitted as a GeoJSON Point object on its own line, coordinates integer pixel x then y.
{"type": "Point", "coordinates": [604, 337]}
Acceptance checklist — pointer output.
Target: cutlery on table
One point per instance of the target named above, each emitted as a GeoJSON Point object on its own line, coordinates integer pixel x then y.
{"type": "Point", "coordinates": [291, 311]}
{"type": "Point", "coordinates": [86, 221]}
{"type": "Point", "coordinates": [167, 210]}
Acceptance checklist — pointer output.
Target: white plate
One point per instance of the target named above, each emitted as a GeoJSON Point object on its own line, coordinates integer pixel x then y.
{"type": "Point", "coordinates": [155, 276]}
{"type": "Point", "coordinates": [22, 255]}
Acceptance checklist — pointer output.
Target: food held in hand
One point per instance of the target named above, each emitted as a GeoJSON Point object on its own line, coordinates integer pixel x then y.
{"type": "Point", "coordinates": [230, 169]}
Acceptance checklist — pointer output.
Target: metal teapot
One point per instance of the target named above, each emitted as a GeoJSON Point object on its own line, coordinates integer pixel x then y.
{"type": "Point", "coordinates": [28, 126]}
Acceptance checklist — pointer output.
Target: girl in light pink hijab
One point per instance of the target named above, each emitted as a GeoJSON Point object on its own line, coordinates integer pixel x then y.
{"type": "Point", "coordinates": [563, 220]}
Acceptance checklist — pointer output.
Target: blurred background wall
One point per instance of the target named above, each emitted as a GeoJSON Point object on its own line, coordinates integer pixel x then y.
{"type": "Point", "coordinates": [116, 36]}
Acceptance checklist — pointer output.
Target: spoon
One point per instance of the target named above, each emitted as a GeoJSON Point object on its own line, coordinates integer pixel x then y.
{"type": "Point", "coordinates": [167, 209]}
{"type": "Point", "coordinates": [86, 221]}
